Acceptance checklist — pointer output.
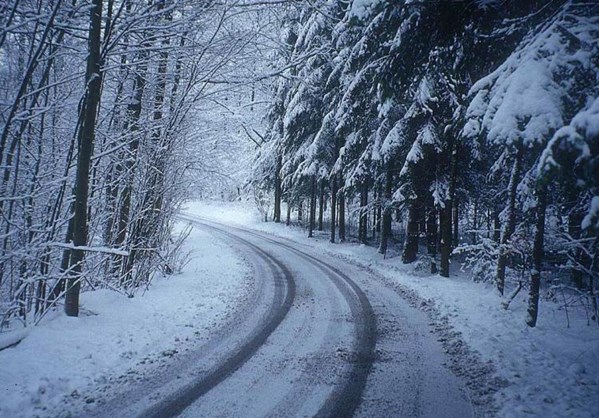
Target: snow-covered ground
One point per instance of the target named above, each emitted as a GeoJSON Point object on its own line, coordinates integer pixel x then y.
{"type": "Point", "coordinates": [114, 335]}
{"type": "Point", "coordinates": [549, 371]}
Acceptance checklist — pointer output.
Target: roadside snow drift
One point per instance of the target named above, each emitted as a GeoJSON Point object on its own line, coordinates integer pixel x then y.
{"type": "Point", "coordinates": [114, 334]}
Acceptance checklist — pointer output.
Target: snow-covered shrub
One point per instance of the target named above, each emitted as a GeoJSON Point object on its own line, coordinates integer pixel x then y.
{"type": "Point", "coordinates": [480, 259]}
{"type": "Point", "coordinates": [175, 259]}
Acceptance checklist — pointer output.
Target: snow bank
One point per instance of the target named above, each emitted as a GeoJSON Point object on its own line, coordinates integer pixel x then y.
{"type": "Point", "coordinates": [68, 356]}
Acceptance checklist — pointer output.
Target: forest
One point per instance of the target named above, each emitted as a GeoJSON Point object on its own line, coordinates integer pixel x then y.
{"type": "Point", "coordinates": [97, 106]}
{"type": "Point", "coordinates": [332, 208]}
{"type": "Point", "coordinates": [448, 133]}
{"type": "Point", "coordinates": [448, 130]}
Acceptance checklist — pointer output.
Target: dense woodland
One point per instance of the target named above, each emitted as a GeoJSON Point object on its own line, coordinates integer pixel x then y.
{"type": "Point", "coordinates": [453, 130]}
{"type": "Point", "coordinates": [99, 106]}
{"type": "Point", "coordinates": [463, 131]}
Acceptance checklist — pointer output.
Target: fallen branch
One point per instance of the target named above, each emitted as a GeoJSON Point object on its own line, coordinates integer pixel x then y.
{"type": "Point", "coordinates": [506, 303]}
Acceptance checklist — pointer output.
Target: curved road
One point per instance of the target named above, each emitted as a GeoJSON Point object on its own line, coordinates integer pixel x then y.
{"type": "Point", "coordinates": [317, 338]}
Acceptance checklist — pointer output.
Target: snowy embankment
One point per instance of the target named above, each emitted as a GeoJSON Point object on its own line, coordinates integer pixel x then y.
{"type": "Point", "coordinates": [550, 370]}
{"type": "Point", "coordinates": [116, 336]}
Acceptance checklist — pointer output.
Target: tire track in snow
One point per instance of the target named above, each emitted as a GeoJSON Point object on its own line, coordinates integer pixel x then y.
{"type": "Point", "coordinates": [174, 404]}
{"type": "Point", "coordinates": [346, 397]}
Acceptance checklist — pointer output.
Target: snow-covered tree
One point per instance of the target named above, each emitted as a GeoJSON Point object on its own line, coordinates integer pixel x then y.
{"type": "Point", "coordinates": [516, 110]}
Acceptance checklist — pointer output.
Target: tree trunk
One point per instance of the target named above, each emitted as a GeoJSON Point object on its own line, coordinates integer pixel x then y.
{"type": "Point", "coordinates": [363, 225]}
{"type": "Point", "coordinates": [511, 221]}
{"type": "Point", "coordinates": [445, 226]}
{"type": "Point", "coordinates": [375, 200]}
{"type": "Point", "coordinates": [431, 234]}
{"type": "Point", "coordinates": [60, 285]}
{"type": "Point", "coordinates": [379, 208]}
{"type": "Point", "coordinates": [410, 251]}
{"type": "Point", "coordinates": [537, 254]}
{"type": "Point", "coordinates": [93, 78]}
{"type": "Point", "coordinates": [312, 208]}
{"type": "Point", "coordinates": [341, 216]}
{"type": "Point", "coordinates": [474, 238]}
{"type": "Point", "coordinates": [446, 213]}
{"type": "Point", "coordinates": [496, 226]}
{"type": "Point", "coordinates": [288, 220]}
{"type": "Point", "coordinates": [132, 124]}
{"type": "Point", "coordinates": [321, 206]}
{"type": "Point", "coordinates": [455, 224]}
{"type": "Point", "coordinates": [160, 137]}
{"type": "Point", "coordinates": [278, 191]}
{"type": "Point", "coordinates": [333, 206]}
{"type": "Point", "coordinates": [145, 232]}
{"type": "Point", "coordinates": [386, 215]}
{"type": "Point", "coordinates": [575, 218]}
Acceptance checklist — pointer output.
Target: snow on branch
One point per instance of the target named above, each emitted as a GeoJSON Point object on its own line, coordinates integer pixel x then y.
{"type": "Point", "coordinates": [105, 250]}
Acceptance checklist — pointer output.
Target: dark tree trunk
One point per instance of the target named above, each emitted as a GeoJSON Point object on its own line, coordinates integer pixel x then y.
{"type": "Point", "coordinates": [111, 196]}
{"type": "Point", "coordinates": [386, 215]}
{"type": "Point", "coordinates": [511, 221]}
{"type": "Point", "coordinates": [445, 227]}
{"type": "Point", "coordinates": [133, 117]}
{"type": "Point", "coordinates": [379, 209]}
{"type": "Point", "coordinates": [363, 224]}
{"type": "Point", "coordinates": [312, 207]}
{"type": "Point", "coordinates": [410, 251]}
{"type": "Point", "coordinates": [537, 255]}
{"type": "Point", "coordinates": [446, 213]}
{"type": "Point", "coordinates": [333, 206]}
{"type": "Point", "coordinates": [144, 232]}
{"type": "Point", "coordinates": [93, 78]}
{"type": "Point", "coordinates": [431, 235]}
{"type": "Point", "coordinates": [60, 285]}
{"type": "Point", "coordinates": [375, 206]}
{"type": "Point", "coordinates": [455, 224]}
{"type": "Point", "coordinates": [115, 169]}
{"type": "Point", "coordinates": [159, 138]}
{"type": "Point", "coordinates": [496, 226]}
{"type": "Point", "coordinates": [278, 191]}
{"type": "Point", "coordinates": [300, 212]}
{"type": "Point", "coordinates": [321, 206]}
{"type": "Point", "coordinates": [288, 220]}
{"type": "Point", "coordinates": [594, 305]}
{"type": "Point", "coordinates": [474, 238]}
{"type": "Point", "coordinates": [342, 225]}
{"type": "Point", "coordinates": [574, 222]}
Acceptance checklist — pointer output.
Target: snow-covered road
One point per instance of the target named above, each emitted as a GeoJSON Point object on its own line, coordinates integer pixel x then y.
{"type": "Point", "coordinates": [322, 338]}
{"type": "Point", "coordinates": [313, 336]}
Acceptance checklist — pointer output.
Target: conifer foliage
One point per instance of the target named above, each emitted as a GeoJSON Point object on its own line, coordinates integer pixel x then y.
{"type": "Point", "coordinates": [448, 130]}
